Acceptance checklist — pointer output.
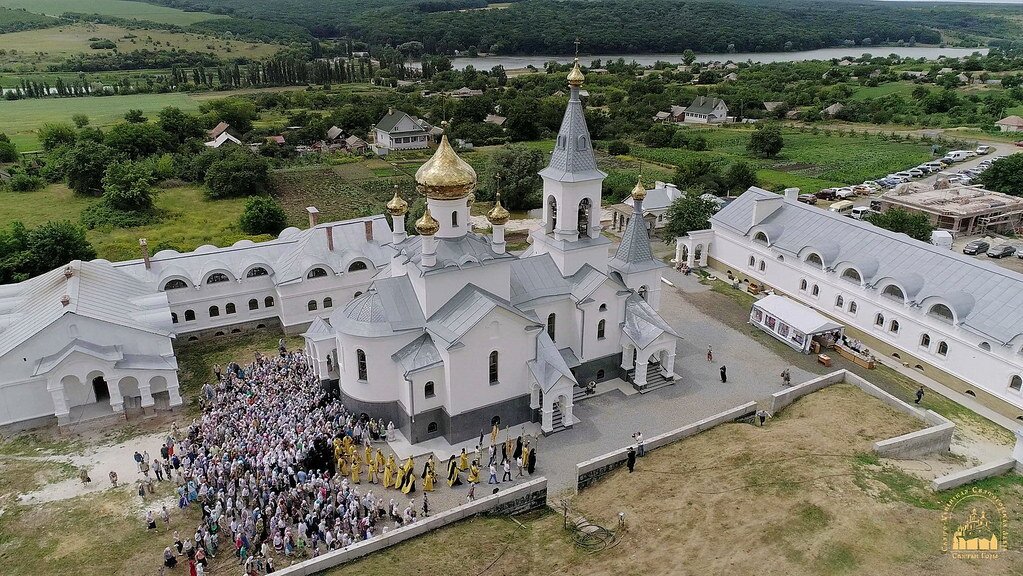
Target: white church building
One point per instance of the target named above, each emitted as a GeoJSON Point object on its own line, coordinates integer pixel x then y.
{"type": "Point", "coordinates": [951, 317]}
{"type": "Point", "coordinates": [443, 333]}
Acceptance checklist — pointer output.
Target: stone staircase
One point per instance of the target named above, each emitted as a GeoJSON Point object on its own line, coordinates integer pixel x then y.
{"type": "Point", "coordinates": [557, 422]}
{"type": "Point", "coordinates": [654, 379]}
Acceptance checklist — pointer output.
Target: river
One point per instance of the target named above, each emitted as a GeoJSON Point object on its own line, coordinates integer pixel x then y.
{"type": "Point", "coordinates": [515, 62]}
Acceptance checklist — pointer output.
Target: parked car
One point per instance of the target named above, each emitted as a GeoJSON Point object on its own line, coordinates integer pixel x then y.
{"type": "Point", "coordinates": [845, 193]}
{"type": "Point", "coordinates": [807, 199]}
{"type": "Point", "coordinates": [826, 194]}
{"type": "Point", "coordinates": [898, 178]}
{"type": "Point", "coordinates": [875, 204]}
{"type": "Point", "coordinates": [1019, 143]}
{"type": "Point", "coordinates": [916, 172]}
{"type": "Point", "coordinates": [1001, 251]}
{"type": "Point", "coordinates": [976, 247]}
{"type": "Point", "coordinates": [843, 207]}
{"type": "Point", "coordinates": [862, 189]}
{"type": "Point", "coordinates": [983, 149]}
{"type": "Point", "coordinates": [861, 212]}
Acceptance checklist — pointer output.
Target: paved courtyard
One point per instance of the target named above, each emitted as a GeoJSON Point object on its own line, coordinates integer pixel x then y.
{"type": "Point", "coordinates": [608, 421]}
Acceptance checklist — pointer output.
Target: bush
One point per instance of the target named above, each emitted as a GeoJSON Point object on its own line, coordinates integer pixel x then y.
{"type": "Point", "coordinates": [52, 135]}
{"type": "Point", "coordinates": [8, 152]}
{"type": "Point", "coordinates": [263, 215]}
{"type": "Point", "coordinates": [617, 148]}
{"type": "Point", "coordinates": [241, 173]}
{"type": "Point", "coordinates": [22, 182]}
{"type": "Point", "coordinates": [103, 44]}
{"type": "Point", "coordinates": [101, 214]}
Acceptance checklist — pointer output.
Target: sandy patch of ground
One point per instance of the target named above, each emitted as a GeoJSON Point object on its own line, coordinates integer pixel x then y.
{"type": "Point", "coordinates": [99, 460]}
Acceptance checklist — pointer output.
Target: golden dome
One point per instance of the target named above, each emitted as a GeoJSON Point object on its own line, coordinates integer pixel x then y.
{"type": "Point", "coordinates": [498, 216]}
{"type": "Point", "coordinates": [445, 176]}
{"type": "Point", "coordinates": [639, 192]}
{"type": "Point", "coordinates": [397, 206]}
{"type": "Point", "coordinates": [427, 226]}
{"type": "Point", "coordinates": [575, 77]}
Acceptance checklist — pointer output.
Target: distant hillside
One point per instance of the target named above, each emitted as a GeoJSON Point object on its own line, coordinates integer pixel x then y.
{"type": "Point", "coordinates": [609, 26]}
{"type": "Point", "coordinates": [18, 20]}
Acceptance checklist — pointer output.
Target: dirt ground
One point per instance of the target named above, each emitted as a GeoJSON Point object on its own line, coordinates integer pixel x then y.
{"type": "Point", "coordinates": [802, 495]}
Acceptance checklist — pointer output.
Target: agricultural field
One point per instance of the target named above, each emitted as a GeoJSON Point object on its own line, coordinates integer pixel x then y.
{"type": "Point", "coordinates": [901, 88]}
{"type": "Point", "coordinates": [808, 161]}
{"type": "Point", "coordinates": [35, 50]}
{"type": "Point", "coordinates": [20, 119]}
{"type": "Point", "coordinates": [187, 219]}
{"type": "Point", "coordinates": [118, 8]}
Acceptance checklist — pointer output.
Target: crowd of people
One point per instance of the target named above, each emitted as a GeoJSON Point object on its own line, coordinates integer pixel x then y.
{"type": "Point", "coordinates": [278, 466]}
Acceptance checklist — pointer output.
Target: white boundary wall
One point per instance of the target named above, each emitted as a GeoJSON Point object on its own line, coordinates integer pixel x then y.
{"type": "Point", "coordinates": [520, 498]}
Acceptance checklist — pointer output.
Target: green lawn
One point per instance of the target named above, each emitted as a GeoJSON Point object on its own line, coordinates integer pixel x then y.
{"type": "Point", "coordinates": [118, 8]}
{"type": "Point", "coordinates": [188, 220]}
{"type": "Point", "coordinates": [808, 161]}
{"type": "Point", "coordinates": [901, 88]}
{"type": "Point", "coordinates": [20, 119]}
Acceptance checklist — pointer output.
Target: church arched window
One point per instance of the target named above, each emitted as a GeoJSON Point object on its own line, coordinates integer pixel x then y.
{"type": "Point", "coordinates": [360, 358]}
{"type": "Point", "coordinates": [454, 219]}
{"type": "Point", "coordinates": [552, 213]}
{"type": "Point", "coordinates": [600, 329]}
{"type": "Point", "coordinates": [551, 319]}
{"type": "Point", "coordinates": [493, 367]}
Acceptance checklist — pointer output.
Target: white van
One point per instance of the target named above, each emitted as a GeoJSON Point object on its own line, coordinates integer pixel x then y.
{"type": "Point", "coordinates": [843, 207]}
{"type": "Point", "coordinates": [861, 212]}
{"type": "Point", "coordinates": [957, 155]}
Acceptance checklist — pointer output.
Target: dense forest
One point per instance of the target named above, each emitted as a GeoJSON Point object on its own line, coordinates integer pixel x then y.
{"type": "Point", "coordinates": [616, 26]}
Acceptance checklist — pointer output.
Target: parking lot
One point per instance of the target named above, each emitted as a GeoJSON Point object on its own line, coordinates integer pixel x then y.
{"type": "Point", "coordinates": [1010, 262]}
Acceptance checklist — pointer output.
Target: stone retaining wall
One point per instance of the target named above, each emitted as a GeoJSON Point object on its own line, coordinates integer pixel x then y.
{"type": "Point", "coordinates": [592, 470]}
{"type": "Point", "coordinates": [521, 498]}
{"type": "Point", "coordinates": [936, 438]}
{"type": "Point", "coordinates": [961, 477]}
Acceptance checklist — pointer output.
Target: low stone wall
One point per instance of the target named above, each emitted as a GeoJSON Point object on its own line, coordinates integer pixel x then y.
{"type": "Point", "coordinates": [961, 477]}
{"type": "Point", "coordinates": [522, 498]}
{"type": "Point", "coordinates": [594, 469]}
{"type": "Point", "coordinates": [785, 397]}
{"type": "Point", "coordinates": [936, 438]}
{"type": "Point", "coordinates": [927, 441]}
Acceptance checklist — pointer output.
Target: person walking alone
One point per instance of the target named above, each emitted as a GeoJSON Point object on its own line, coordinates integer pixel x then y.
{"type": "Point", "coordinates": [763, 415]}
{"type": "Point", "coordinates": [631, 462]}
{"type": "Point", "coordinates": [507, 472]}
{"type": "Point", "coordinates": [786, 377]}
{"type": "Point", "coordinates": [919, 395]}
{"type": "Point", "coordinates": [724, 374]}
{"type": "Point", "coordinates": [710, 354]}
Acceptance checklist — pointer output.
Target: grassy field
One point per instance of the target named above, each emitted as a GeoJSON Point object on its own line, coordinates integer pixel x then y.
{"type": "Point", "coordinates": [118, 8]}
{"type": "Point", "coordinates": [803, 495]}
{"type": "Point", "coordinates": [188, 221]}
{"type": "Point", "coordinates": [901, 88]}
{"type": "Point", "coordinates": [808, 161]}
{"type": "Point", "coordinates": [19, 119]}
{"type": "Point", "coordinates": [36, 49]}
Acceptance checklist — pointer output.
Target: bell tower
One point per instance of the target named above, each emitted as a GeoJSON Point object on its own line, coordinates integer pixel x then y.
{"type": "Point", "coordinates": [572, 193]}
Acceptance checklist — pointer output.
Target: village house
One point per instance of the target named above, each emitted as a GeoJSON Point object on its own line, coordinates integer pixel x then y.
{"type": "Point", "coordinates": [399, 131]}
{"type": "Point", "coordinates": [223, 138]}
{"type": "Point", "coordinates": [706, 110]}
{"type": "Point", "coordinates": [1010, 124]}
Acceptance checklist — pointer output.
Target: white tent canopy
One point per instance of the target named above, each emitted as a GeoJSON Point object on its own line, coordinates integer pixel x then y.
{"type": "Point", "coordinates": [791, 322]}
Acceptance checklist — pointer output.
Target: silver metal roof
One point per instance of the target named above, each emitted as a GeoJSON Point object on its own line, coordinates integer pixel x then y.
{"type": "Point", "coordinates": [536, 277]}
{"type": "Point", "coordinates": [549, 366]}
{"type": "Point", "coordinates": [982, 295]}
{"type": "Point", "coordinates": [572, 159]}
{"type": "Point", "coordinates": [418, 354]}
{"type": "Point", "coordinates": [95, 290]}
{"type": "Point", "coordinates": [464, 310]}
{"type": "Point", "coordinates": [642, 323]}
{"type": "Point", "coordinates": [388, 306]}
{"type": "Point", "coordinates": [467, 251]}
{"type": "Point", "coordinates": [634, 253]}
